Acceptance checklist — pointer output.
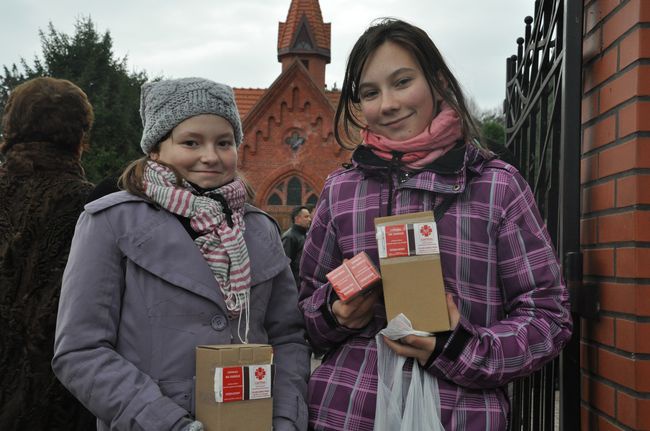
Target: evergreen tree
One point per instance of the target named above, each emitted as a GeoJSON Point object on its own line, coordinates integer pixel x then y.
{"type": "Point", "coordinates": [86, 58]}
{"type": "Point", "coordinates": [493, 133]}
{"type": "Point", "coordinates": [493, 130]}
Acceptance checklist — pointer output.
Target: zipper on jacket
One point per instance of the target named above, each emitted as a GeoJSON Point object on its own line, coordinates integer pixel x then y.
{"type": "Point", "coordinates": [393, 167]}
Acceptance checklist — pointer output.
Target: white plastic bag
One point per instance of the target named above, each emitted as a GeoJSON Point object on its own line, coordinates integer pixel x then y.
{"type": "Point", "coordinates": [404, 406]}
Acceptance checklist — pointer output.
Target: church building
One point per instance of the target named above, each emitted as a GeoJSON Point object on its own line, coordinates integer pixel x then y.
{"type": "Point", "coordinates": [289, 146]}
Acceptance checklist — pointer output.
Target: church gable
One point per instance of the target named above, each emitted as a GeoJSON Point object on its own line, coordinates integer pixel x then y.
{"type": "Point", "coordinates": [292, 115]}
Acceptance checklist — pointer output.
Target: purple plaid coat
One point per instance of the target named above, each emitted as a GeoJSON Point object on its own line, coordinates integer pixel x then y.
{"type": "Point", "coordinates": [498, 262]}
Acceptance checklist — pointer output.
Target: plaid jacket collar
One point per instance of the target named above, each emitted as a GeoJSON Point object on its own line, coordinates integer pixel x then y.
{"type": "Point", "coordinates": [448, 174]}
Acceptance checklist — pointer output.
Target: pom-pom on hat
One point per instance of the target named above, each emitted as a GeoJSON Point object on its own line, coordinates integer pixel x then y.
{"type": "Point", "coordinates": [165, 104]}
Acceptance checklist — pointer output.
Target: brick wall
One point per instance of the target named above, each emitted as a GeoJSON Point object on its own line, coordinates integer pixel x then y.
{"type": "Point", "coordinates": [615, 226]}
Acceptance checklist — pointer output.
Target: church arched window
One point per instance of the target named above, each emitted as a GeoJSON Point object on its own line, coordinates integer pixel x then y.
{"type": "Point", "coordinates": [292, 191]}
{"type": "Point", "coordinates": [312, 199]}
{"type": "Point", "coordinates": [274, 199]}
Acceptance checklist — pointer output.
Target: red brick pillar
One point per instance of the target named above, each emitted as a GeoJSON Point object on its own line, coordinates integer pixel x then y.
{"type": "Point", "coordinates": [615, 231]}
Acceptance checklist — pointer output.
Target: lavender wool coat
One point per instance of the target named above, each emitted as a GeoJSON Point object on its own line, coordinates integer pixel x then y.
{"type": "Point", "coordinates": [497, 261]}
{"type": "Point", "coordinates": [138, 297]}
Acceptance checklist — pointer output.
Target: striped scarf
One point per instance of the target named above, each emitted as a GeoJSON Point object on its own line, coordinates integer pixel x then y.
{"type": "Point", "coordinates": [222, 247]}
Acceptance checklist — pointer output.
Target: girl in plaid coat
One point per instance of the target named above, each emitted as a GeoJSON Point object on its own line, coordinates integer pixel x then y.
{"type": "Point", "coordinates": [506, 298]}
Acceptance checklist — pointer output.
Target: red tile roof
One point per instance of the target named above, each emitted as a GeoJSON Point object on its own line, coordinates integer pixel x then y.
{"type": "Point", "coordinates": [311, 9]}
{"type": "Point", "coordinates": [246, 98]}
{"type": "Point", "coordinates": [333, 97]}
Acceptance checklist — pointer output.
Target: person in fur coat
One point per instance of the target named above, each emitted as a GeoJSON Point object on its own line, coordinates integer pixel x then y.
{"type": "Point", "coordinates": [46, 125]}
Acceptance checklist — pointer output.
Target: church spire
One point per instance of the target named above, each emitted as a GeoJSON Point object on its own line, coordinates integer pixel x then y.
{"type": "Point", "coordinates": [305, 37]}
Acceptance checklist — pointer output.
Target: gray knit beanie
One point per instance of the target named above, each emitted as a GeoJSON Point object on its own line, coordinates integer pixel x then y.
{"type": "Point", "coordinates": [165, 104]}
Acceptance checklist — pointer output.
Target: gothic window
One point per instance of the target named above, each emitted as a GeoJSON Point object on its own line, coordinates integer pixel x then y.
{"type": "Point", "coordinates": [292, 191]}
{"type": "Point", "coordinates": [274, 199]}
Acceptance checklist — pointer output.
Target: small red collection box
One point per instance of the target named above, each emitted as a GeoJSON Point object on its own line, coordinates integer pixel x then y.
{"type": "Point", "coordinates": [411, 270]}
{"type": "Point", "coordinates": [353, 277]}
{"type": "Point", "coordinates": [234, 384]}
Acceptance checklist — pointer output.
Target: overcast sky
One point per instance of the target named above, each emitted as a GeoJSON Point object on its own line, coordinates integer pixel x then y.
{"type": "Point", "coordinates": [235, 41]}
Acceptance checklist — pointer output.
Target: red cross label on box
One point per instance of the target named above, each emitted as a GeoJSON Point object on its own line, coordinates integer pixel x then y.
{"type": "Point", "coordinates": [260, 373]}
{"type": "Point", "coordinates": [260, 382]}
{"type": "Point", "coordinates": [425, 238]}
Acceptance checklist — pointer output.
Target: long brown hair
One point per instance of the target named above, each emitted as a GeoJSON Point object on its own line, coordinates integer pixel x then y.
{"type": "Point", "coordinates": [419, 44]}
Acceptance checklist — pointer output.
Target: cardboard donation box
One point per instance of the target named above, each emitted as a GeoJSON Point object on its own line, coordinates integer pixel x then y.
{"type": "Point", "coordinates": [354, 277]}
{"type": "Point", "coordinates": [409, 258]}
{"type": "Point", "coordinates": [233, 387]}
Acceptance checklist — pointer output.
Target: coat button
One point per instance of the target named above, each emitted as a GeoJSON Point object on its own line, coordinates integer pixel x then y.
{"type": "Point", "coordinates": [218, 322]}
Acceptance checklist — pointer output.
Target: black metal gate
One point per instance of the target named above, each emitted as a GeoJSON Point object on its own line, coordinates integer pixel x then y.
{"type": "Point", "coordinates": [542, 110]}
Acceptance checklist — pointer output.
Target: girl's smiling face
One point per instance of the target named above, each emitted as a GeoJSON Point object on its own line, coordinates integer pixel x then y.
{"type": "Point", "coordinates": [394, 94]}
{"type": "Point", "coordinates": [202, 149]}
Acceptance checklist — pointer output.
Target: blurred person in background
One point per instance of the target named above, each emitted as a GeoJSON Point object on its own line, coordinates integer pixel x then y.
{"type": "Point", "coordinates": [46, 125]}
{"type": "Point", "coordinates": [293, 239]}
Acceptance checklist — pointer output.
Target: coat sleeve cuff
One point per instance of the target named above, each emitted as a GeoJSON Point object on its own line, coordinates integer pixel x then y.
{"type": "Point", "coordinates": [441, 342]}
{"type": "Point", "coordinates": [289, 414]}
{"type": "Point", "coordinates": [457, 342]}
{"type": "Point", "coordinates": [449, 347]}
{"type": "Point", "coordinates": [329, 317]}
{"type": "Point", "coordinates": [163, 413]}
{"type": "Point", "coordinates": [322, 328]}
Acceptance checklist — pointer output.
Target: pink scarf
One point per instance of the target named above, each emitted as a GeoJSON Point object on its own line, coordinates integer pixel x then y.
{"type": "Point", "coordinates": [420, 150]}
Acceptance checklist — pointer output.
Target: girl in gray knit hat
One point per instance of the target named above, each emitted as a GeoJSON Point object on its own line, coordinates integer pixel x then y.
{"type": "Point", "coordinates": [175, 260]}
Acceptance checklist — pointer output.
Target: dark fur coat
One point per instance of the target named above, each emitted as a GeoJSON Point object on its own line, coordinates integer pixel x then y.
{"type": "Point", "coordinates": [42, 193]}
